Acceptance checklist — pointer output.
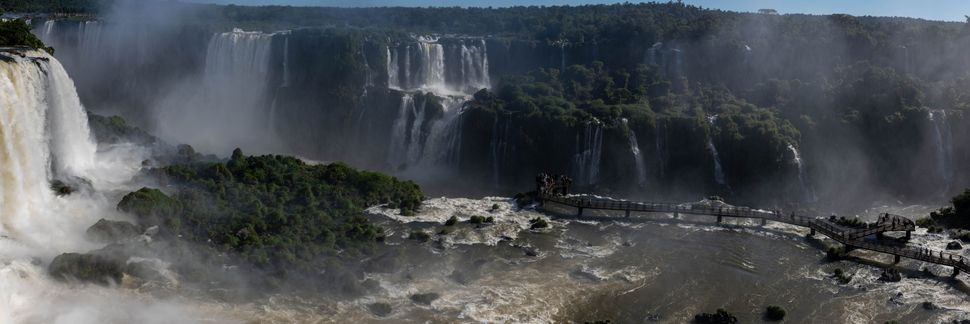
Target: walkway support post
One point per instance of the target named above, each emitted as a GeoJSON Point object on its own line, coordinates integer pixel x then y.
{"type": "Point", "coordinates": [908, 234]}
{"type": "Point", "coordinates": [764, 221]}
{"type": "Point", "coordinates": [956, 271]}
{"type": "Point", "coordinates": [627, 213]}
{"type": "Point", "coordinates": [719, 218]}
{"type": "Point", "coordinates": [895, 259]}
{"type": "Point", "coordinates": [676, 215]}
{"type": "Point", "coordinates": [812, 233]}
{"type": "Point", "coordinates": [579, 211]}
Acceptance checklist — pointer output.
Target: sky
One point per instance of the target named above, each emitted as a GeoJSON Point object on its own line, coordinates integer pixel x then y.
{"type": "Point", "coordinates": [950, 10]}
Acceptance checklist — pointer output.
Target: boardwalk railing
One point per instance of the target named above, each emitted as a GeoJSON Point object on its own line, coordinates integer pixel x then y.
{"type": "Point", "coordinates": [851, 237]}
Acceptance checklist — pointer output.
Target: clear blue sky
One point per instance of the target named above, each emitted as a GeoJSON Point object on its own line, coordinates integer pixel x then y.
{"type": "Point", "coordinates": [951, 10]}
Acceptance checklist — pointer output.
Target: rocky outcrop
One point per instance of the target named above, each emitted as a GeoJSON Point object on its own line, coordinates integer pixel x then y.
{"type": "Point", "coordinates": [106, 231]}
{"type": "Point", "coordinates": [90, 268]}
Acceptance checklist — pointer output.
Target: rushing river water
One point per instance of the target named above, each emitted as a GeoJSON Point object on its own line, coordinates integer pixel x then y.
{"type": "Point", "coordinates": [650, 269]}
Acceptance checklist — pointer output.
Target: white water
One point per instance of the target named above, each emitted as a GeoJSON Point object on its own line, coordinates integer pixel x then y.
{"type": "Point", "coordinates": [943, 140]}
{"type": "Point", "coordinates": [429, 68]}
{"type": "Point", "coordinates": [637, 157]}
{"type": "Point", "coordinates": [425, 67]}
{"type": "Point", "coordinates": [653, 53]}
{"type": "Point", "coordinates": [719, 177]}
{"type": "Point", "coordinates": [807, 189]}
{"type": "Point", "coordinates": [44, 133]}
{"type": "Point", "coordinates": [589, 151]}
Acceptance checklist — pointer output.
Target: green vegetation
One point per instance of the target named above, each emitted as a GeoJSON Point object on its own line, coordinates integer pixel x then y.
{"type": "Point", "coordinates": [54, 6]}
{"type": "Point", "coordinates": [114, 129]}
{"type": "Point", "coordinates": [17, 33]}
{"type": "Point", "coordinates": [775, 313]}
{"type": "Point", "coordinates": [854, 222]}
{"type": "Point", "coordinates": [273, 211]}
{"type": "Point", "coordinates": [721, 316]}
{"type": "Point", "coordinates": [836, 253]}
{"type": "Point", "coordinates": [451, 221]}
{"type": "Point", "coordinates": [957, 215]}
{"type": "Point", "coordinates": [538, 223]}
{"type": "Point", "coordinates": [841, 277]}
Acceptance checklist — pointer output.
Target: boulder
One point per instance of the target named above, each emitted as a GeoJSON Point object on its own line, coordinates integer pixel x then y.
{"type": "Point", "coordinates": [91, 268]}
{"type": "Point", "coordinates": [954, 245]}
{"type": "Point", "coordinates": [425, 299]}
{"type": "Point", "coordinates": [105, 231]}
{"type": "Point", "coordinates": [928, 305]}
{"type": "Point", "coordinates": [380, 309]}
{"type": "Point", "coordinates": [719, 317]}
{"type": "Point", "coordinates": [890, 275]}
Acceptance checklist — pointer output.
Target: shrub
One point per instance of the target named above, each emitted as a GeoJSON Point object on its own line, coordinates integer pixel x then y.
{"type": "Point", "coordinates": [451, 221]}
{"type": "Point", "coordinates": [538, 223]}
{"type": "Point", "coordinates": [721, 316]}
{"type": "Point", "coordinates": [420, 236]}
{"type": "Point", "coordinates": [775, 313]}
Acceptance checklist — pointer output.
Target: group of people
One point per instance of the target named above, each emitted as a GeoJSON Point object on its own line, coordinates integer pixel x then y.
{"type": "Point", "coordinates": [925, 251]}
{"type": "Point", "coordinates": [553, 185]}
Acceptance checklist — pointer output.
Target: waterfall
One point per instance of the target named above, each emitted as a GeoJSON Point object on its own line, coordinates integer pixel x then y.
{"type": "Point", "coordinates": [653, 53]}
{"type": "Point", "coordinates": [943, 140]}
{"type": "Point", "coordinates": [399, 131]}
{"type": "Point", "coordinates": [286, 61]}
{"type": "Point", "coordinates": [432, 63]}
{"type": "Point", "coordinates": [718, 170]}
{"type": "Point", "coordinates": [474, 68]}
{"type": "Point", "coordinates": [807, 189]}
{"type": "Point", "coordinates": [637, 157]}
{"type": "Point", "coordinates": [89, 40]}
{"type": "Point", "coordinates": [719, 177]}
{"type": "Point", "coordinates": [589, 150]}
{"type": "Point", "coordinates": [42, 123]}
{"type": "Point", "coordinates": [234, 104]}
{"type": "Point", "coordinates": [500, 145]}
{"type": "Point", "coordinates": [463, 71]}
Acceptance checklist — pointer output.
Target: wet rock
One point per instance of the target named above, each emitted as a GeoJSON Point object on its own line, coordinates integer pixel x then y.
{"type": "Point", "coordinates": [148, 270]}
{"type": "Point", "coordinates": [954, 245]}
{"type": "Point", "coordinates": [105, 231]}
{"type": "Point", "coordinates": [719, 317]}
{"type": "Point", "coordinates": [927, 305]}
{"type": "Point", "coordinates": [380, 309]}
{"type": "Point", "coordinates": [90, 268]}
{"type": "Point", "coordinates": [890, 275]}
{"type": "Point", "coordinates": [531, 252]}
{"type": "Point", "coordinates": [62, 189]}
{"type": "Point", "coordinates": [384, 263]}
{"type": "Point", "coordinates": [425, 299]}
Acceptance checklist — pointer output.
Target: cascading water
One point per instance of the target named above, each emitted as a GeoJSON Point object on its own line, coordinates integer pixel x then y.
{"type": "Point", "coordinates": [452, 78]}
{"type": "Point", "coordinates": [807, 189]}
{"type": "Point", "coordinates": [500, 146]}
{"type": "Point", "coordinates": [89, 40]}
{"type": "Point", "coordinates": [943, 140]}
{"type": "Point", "coordinates": [637, 157]}
{"type": "Point", "coordinates": [589, 150]}
{"type": "Point", "coordinates": [719, 177]}
{"type": "Point", "coordinates": [231, 106]}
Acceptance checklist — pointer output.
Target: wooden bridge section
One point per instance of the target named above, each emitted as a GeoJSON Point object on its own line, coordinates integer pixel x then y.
{"type": "Point", "coordinates": [851, 237]}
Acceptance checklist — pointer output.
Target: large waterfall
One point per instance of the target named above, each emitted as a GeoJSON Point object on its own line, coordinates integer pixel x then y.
{"type": "Point", "coordinates": [448, 71]}
{"type": "Point", "coordinates": [807, 189]}
{"type": "Point", "coordinates": [943, 140]}
{"type": "Point", "coordinates": [589, 151]}
{"type": "Point", "coordinates": [637, 156]}
{"type": "Point", "coordinates": [44, 132]}
{"type": "Point", "coordinates": [457, 67]}
{"type": "Point", "coordinates": [232, 105]}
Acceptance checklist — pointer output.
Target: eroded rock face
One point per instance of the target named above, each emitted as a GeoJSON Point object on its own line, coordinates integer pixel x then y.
{"type": "Point", "coordinates": [891, 275]}
{"type": "Point", "coordinates": [90, 268]}
{"type": "Point", "coordinates": [105, 231]}
{"type": "Point", "coordinates": [425, 299]}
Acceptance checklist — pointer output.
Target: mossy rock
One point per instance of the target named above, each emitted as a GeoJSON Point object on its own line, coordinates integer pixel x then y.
{"type": "Point", "coordinates": [425, 299]}
{"type": "Point", "coordinates": [775, 313]}
{"type": "Point", "coordinates": [105, 231]}
{"type": "Point", "coordinates": [91, 268]}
